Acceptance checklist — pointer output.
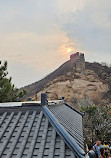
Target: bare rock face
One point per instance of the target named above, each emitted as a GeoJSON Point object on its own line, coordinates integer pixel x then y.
{"type": "Point", "coordinates": [75, 79]}
{"type": "Point", "coordinates": [85, 85]}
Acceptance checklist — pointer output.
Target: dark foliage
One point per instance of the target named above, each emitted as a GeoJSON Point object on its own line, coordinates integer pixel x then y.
{"type": "Point", "coordinates": [8, 92]}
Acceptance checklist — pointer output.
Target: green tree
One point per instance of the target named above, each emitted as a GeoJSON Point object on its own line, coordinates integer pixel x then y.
{"type": "Point", "coordinates": [8, 92]}
{"type": "Point", "coordinates": [97, 123]}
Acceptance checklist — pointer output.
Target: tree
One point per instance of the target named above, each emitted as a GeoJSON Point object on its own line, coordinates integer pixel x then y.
{"type": "Point", "coordinates": [97, 123]}
{"type": "Point", "coordinates": [8, 92]}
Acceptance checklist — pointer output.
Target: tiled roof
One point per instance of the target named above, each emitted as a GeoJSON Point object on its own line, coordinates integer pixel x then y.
{"type": "Point", "coordinates": [71, 120]}
{"type": "Point", "coordinates": [27, 132]}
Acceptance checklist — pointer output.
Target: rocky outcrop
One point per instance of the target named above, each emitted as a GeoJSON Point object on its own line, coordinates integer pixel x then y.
{"type": "Point", "coordinates": [75, 79]}
{"type": "Point", "coordinates": [76, 88]}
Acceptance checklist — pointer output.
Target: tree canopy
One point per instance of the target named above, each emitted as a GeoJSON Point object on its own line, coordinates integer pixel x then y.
{"type": "Point", "coordinates": [8, 92]}
{"type": "Point", "coordinates": [97, 123]}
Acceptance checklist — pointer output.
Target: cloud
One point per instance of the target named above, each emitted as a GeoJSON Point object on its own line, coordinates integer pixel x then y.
{"type": "Point", "coordinates": [29, 47]}
{"type": "Point", "coordinates": [35, 15]}
{"type": "Point", "coordinates": [36, 34]}
{"type": "Point", "coordinates": [91, 27]}
{"type": "Point", "coordinates": [32, 53]}
{"type": "Point", "coordinates": [70, 6]}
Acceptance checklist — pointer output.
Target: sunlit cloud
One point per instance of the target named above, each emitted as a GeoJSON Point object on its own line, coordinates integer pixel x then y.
{"type": "Point", "coordinates": [40, 35]}
{"type": "Point", "coordinates": [90, 27]}
{"type": "Point", "coordinates": [68, 47]}
{"type": "Point", "coordinates": [33, 49]}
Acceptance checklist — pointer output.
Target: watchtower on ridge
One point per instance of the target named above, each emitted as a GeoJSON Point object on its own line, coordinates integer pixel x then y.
{"type": "Point", "coordinates": [78, 61]}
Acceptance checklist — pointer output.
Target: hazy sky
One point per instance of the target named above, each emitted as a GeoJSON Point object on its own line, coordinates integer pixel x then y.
{"type": "Point", "coordinates": [35, 34]}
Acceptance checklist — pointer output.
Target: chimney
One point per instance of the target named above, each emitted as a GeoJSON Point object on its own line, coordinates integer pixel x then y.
{"type": "Point", "coordinates": [63, 98]}
{"type": "Point", "coordinates": [44, 100]}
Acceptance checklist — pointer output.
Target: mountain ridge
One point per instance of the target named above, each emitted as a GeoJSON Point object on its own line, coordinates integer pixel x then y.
{"type": "Point", "coordinates": [39, 85]}
{"type": "Point", "coordinates": [75, 71]}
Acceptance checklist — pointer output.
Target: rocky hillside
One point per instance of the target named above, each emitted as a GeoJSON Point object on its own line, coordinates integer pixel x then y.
{"type": "Point", "coordinates": [93, 82]}
{"type": "Point", "coordinates": [36, 87]}
{"type": "Point", "coordinates": [76, 87]}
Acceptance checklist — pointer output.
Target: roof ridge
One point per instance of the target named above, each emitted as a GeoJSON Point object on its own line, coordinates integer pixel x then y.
{"type": "Point", "coordinates": [76, 149]}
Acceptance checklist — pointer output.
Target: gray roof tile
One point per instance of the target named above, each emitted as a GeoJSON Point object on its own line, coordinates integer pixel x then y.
{"type": "Point", "coordinates": [71, 121]}
{"type": "Point", "coordinates": [29, 134]}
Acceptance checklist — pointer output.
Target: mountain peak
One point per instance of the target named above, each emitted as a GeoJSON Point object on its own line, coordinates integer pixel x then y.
{"type": "Point", "coordinates": [74, 79]}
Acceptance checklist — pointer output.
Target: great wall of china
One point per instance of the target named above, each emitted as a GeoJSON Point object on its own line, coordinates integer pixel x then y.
{"type": "Point", "coordinates": [78, 61]}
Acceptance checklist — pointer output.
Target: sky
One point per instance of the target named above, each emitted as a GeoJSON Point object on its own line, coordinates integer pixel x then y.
{"type": "Point", "coordinates": [36, 35]}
